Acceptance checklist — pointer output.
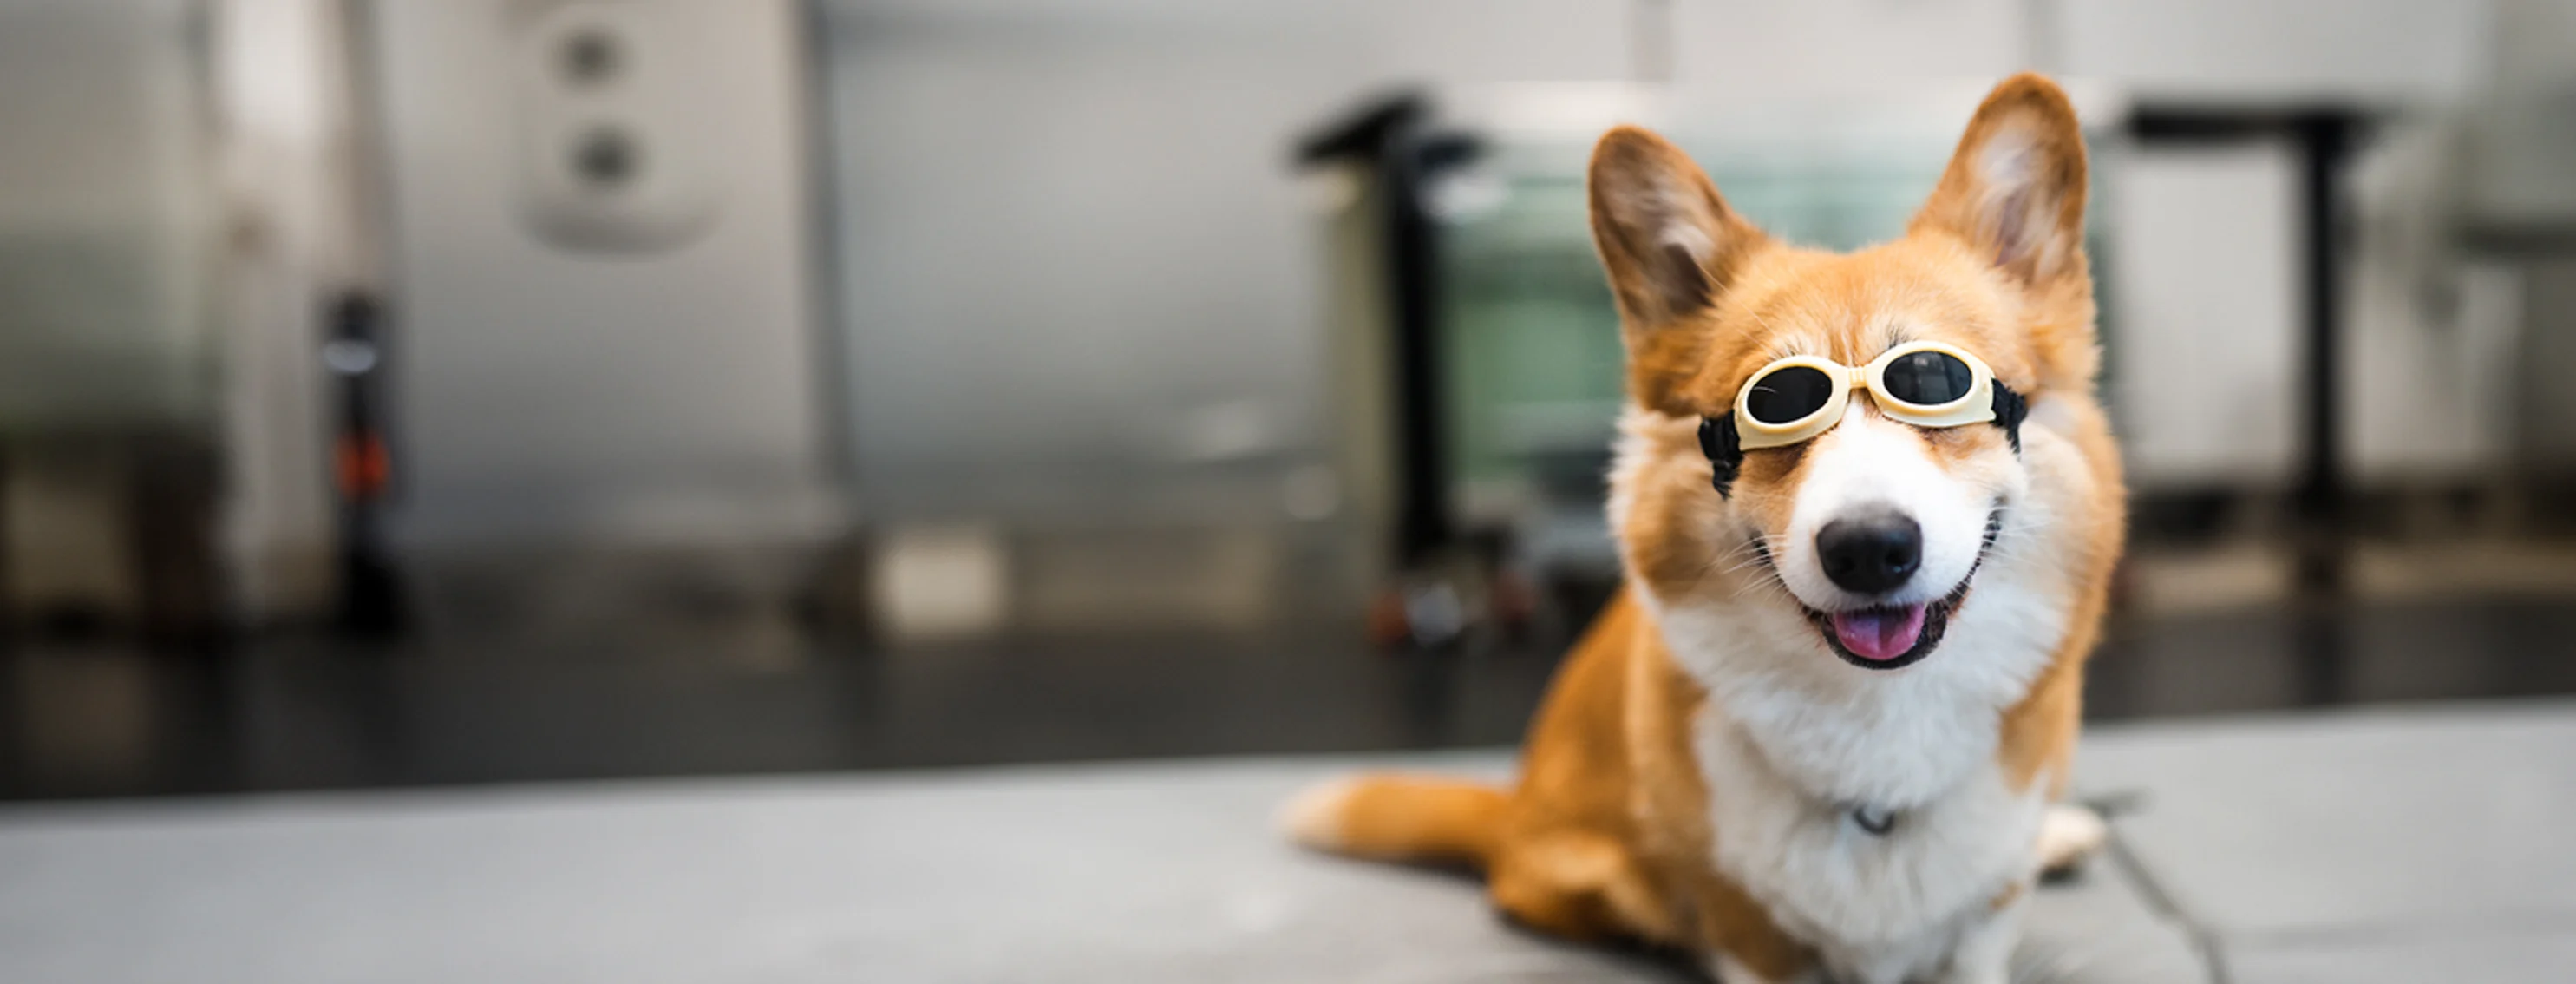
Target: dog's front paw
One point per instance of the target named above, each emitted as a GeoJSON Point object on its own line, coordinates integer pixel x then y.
{"type": "Point", "coordinates": [2067, 835]}
{"type": "Point", "coordinates": [1728, 970]}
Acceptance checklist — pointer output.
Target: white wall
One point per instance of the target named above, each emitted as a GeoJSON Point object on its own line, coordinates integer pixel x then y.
{"type": "Point", "coordinates": [2402, 52]}
{"type": "Point", "coordinates": [546, 394]}
{"type": "Point", "coordinates": [1751, 50]}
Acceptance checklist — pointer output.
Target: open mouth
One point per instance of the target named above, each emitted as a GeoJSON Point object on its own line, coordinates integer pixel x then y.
{"type": "Point", "coordinates": [1890, 637]}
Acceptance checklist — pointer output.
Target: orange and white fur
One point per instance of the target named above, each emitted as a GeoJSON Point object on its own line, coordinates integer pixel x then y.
{"type": "Point", "coordinates": [1705, 768]}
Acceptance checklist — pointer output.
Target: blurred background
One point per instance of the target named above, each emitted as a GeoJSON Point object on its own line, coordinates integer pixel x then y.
{"type": "Point", "coordinates": [424, 392]}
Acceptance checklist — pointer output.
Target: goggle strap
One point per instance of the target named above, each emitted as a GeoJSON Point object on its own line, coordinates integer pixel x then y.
{"type": "Point", "coordinates": [1725, 450]}
{"type": "Point", "coordinates": [2010, 411]}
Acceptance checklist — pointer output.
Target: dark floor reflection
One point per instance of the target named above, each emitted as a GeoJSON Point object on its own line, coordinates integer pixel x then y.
{"type": "Point", "coordinates": [307, 714]}
{"type": "Point", "coordinates": [2357, 654]}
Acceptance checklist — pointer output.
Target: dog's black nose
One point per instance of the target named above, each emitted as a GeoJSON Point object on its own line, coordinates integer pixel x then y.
{"type": "Point", "coordinates": [1871, 554]}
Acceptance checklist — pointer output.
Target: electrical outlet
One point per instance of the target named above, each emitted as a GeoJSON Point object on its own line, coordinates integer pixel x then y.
{"type": "Point", "coordinates": [612, 149]}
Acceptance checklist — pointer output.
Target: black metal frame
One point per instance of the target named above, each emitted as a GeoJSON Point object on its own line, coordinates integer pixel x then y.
{"type": "Point", "coordinates": [2325, 136]}
{"type": "Point", "coordinates": [1395, 138]}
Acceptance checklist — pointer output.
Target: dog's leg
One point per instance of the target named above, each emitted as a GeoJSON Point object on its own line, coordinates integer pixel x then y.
{"type": "Point", "coordinates": [2067, 835]}
{"type": "Point", "coordinates": [1983, 954]}
{"type": "Point", "coordinates": [1580, 885]}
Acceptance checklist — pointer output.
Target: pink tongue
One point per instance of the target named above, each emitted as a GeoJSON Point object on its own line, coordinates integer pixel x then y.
{"type": "Point", "coordinates": [1879, 634]}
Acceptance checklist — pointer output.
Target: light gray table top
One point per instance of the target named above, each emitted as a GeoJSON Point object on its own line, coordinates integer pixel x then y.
{"type": "Point", "coordinates": [2362, 846]}
{"type": "Point", "coordinates": [2392, 846]}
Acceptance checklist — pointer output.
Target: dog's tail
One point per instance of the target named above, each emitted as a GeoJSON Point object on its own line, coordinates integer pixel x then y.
{"type": "Point", "coordinates": [1400, 818]}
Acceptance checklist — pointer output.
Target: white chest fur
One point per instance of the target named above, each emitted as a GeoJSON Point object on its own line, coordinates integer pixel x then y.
{"type": "Point", "coordinates": [1878, 907]}
{"type": "Point", "coordinates": [1789, 753]}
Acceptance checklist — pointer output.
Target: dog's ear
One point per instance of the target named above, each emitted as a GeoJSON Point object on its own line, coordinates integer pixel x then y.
{"type": "Point", "coordinates": [2015, 188]}
{"type": "Point", "coordinates": [1666, 238]}
{"type": "Point", "coordinates": [1671, 247]}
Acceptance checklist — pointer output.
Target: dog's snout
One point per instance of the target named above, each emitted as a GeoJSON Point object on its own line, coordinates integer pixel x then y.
{"type": "Point", "coordinates": [1871, 554]}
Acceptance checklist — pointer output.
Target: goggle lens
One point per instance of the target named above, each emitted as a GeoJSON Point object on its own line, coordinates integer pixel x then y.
{"type": "Point", "coordinates": [1789, 394]}
{"type": "Point", "coordinates": [1927, 379]}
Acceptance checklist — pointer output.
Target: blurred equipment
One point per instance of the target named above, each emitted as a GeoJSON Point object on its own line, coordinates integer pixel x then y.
{"type": "Point", "coordinates": [1074, 312]}
{"type": "Point", "coordinates": [2324, 137]}
{"type": "Point", "coordinates": [108, 467]}
{"type": "Point", "coordinates": [602, 263]}
{"type": "Point", "coordinates": [2511, 202]}
{"type": "Point", "coordinates": [1395, 154]}
{"type": "Point", "coordinates": [1386, 161]}
{"type": "Point", "coordinates": [371, 597]}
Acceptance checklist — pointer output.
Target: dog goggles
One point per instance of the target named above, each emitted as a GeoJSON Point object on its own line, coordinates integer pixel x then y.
{"type": "Point", "coordinates": [1926, 384]}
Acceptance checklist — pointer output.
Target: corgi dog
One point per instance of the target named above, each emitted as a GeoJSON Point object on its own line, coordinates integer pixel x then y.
{"type": "Point", "coordinates": [1867, 507]}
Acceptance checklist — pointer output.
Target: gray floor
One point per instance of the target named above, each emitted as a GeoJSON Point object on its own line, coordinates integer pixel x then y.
{"type": "Point", "coordinates": [2398, 846]}
{"type": "Point", "coordinates": [2364, 846]}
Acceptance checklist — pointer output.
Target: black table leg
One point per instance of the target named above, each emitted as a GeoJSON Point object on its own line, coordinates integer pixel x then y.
{"type": "Point", "coordinates": [2325, 146]}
